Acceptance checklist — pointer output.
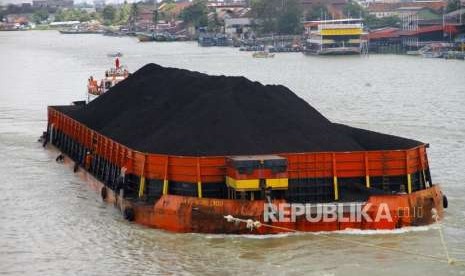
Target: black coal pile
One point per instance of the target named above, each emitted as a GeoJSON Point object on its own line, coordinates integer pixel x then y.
{"type": "Point", "coordinates": [180, 112]}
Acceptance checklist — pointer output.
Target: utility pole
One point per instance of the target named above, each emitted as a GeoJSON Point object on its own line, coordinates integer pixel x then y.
{"type": "Point", "coordinates": [155, 14]}
{"type": "Point", "coordinates": [460, 15]}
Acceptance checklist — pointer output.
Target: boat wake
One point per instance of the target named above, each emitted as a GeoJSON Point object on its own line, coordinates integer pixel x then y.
{"type": "Point", "coordinates": [402, 230]}
{"type": "Point", "coordinates": [348, 231]}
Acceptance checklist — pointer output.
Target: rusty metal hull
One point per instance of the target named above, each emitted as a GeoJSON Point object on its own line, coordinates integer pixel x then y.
{"type": "Point", "coordinates": [206, 215]}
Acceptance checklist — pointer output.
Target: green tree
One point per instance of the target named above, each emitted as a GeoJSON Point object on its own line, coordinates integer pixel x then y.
{"type": "Point", "coordinates": [289, 20]}
{"type": "Point", "coordinates": [353, 9]}
{"type": "Point", "coordinates": [265, 13]}
{"type": "Point", "coordinates": [168, 11]}
{"type": "Point", "coordinates": [123, 14]}
{"type": "Point", "coordinates": [40, 15]}
{"type": "Point", "coordinates": [453, 5]}
{"type": "Point", "coordinates": [318, 12]}
{"type": "Point", "coordinates": [59, 15]}
{"type": "Point", "coordinates": [84, 16]}
{"type": "Point", "coordinates": [73, 15]}
{"type": "Point", "coordinates": [196, 14]}
{"type": "Point", "coordinates": [214, 24]}
{"type": "Point", "coordinates": [109, 14]}
{"type": "Point", "coordinates": [134, 13]}
{"type": "Point", "coordinates": [372, 22]}
{"type": "Point", "coordinates": [277, 16]}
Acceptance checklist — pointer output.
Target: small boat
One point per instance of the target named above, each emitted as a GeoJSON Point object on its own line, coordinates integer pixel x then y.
{"type": "Point", "coordinates": [145, 37]}
{"type": "Point", "coordinates": [114, 55]}
{"type": "Point", "coordinates": [206, 40]}
{"type": "Point", "coordinates": [79, 31]}
{"type": "Point", "coordinates": [413, 53]}
{"type": "Point", "coordinates": [262, 54]}
{"type": "Point", "coordinates": [114, 33]}
{"type": "Point", "coordinates": [454, 55]}
{"type": "Point", "coordinates": [432, 54]}
{"type": "Point", "coordinates": [112, 77]}
{"type": "Point", "coordinates": [181, 38]}
{"type": "Point", "coordinates": [435, 50]}
{"type": "Point", "coordinates": [209, 40]}
{"type": "Point", "coordinates": [163, 37]}
{"type": "Point", "coordinates": [155, 36]}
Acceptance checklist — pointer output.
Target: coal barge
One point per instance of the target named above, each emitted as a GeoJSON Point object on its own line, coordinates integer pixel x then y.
{"type": "Point", "coordinates": [180, 151]}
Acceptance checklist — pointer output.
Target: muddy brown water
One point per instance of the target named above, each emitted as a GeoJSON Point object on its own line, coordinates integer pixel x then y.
{"type": "Point", "coordinates": [51, 223]}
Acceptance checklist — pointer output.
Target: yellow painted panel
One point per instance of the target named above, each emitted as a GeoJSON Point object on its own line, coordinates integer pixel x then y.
{"type": "Point", "coordinates": [165, 186]}
{"type": "Point", "coordinates": [354, 31]}
{"type": "Point", "coordinates": [246, 184]}
{"type": "Point", "coordinates": [336, 188]}
{"type": "Point", "coordinates": [199, 189]}
{"type": "Point", "coordinates": [141, 186]}
{"type": "Point", "coordinates": [254, 184]}
{"type": "Point", "coordinates": [277, 183]}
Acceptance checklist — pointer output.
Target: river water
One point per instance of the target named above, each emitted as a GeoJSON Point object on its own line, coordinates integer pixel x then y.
{"type": "Point", "coordinates": [52, 223]}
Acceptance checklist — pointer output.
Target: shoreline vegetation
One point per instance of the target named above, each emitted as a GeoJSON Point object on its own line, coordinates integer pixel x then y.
{"type": "Point", "coordinates": [268, 16]}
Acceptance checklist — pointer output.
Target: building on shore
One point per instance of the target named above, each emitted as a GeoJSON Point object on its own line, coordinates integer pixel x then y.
{"type": "Point", "coordinates": [52, 5]}
{"type": "Point", "coordinates": [334, 37]}
{"type": "Point", "coordinates": [238, 27]}
{"type": "Point", "coordinates": [227, 3]}
{"type": "Point", "coordinates": [235, 17]}
{"type": "Point", "coordinates": [419, 27]}
{"type": "Point", "coordinates": [335, 8]}
{"type": "Point", "coordinates": [22, 8]}
{"type": "Point", "coordinates": [99, 5]}
{"type": "Point", "coordinates": [386, 9]}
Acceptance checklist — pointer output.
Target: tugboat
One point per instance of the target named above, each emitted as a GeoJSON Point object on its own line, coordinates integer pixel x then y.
{"type": "Point", "coordinates": [262, 54]}
{"type": "Point", "coordinates": [114, 55]}
{"type": "Point", "coordinates": [112, 77]}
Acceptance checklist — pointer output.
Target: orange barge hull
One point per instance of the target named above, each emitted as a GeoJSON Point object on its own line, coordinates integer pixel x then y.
{"type": "Point", "coordinates": [190, 214]}
{"type": "Point", "coordinates": [184, 214]}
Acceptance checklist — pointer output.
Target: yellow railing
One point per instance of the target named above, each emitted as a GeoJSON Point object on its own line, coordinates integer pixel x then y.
{"type": "Point", "coordinates": [354, 31]}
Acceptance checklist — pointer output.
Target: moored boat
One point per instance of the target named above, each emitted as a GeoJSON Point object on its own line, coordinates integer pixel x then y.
{"type": "Point", "coordinates": [212, 39]}
{"type": "Point", "coordinates": [145, 36]}
{"type": "Point", "coordinates": [78, 32]}
{"type": "Point", "coordinates": [334, 37]}
{"type": "Point", "coordinates": [82, 29]}
{"type": "Point", "coordinates": [155, 36]}
{"type": "Point", "coordinates": [262, 54]}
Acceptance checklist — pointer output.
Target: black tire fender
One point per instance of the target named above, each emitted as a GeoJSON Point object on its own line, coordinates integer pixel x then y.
{"type": "Point", "coordinates": [76, 167]}
{"type": "Point", "coordinates": [445, 202]}
{"type": "Point", "coordinates": [129, 214]}
{"type": "Point", "coordinates": [104, 193]}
